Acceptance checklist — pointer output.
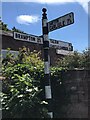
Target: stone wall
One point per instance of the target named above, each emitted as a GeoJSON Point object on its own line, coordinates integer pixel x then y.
{"type": "Point", "coordinates": [75, 90]}
{"type": "Point", "coordinates": [76, 83]}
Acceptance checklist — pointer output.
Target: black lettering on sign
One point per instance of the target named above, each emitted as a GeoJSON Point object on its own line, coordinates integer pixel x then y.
{"type": "Point", "coordinates": [32, 38]}
{"type": "Point", "coordinates": [16, 35]}
{"type": "Point", "coordinates": [29, 38]}
{"type": "Point", "coordinates": [59, 24]}
{"type": "Point", "coordinates": [38, 40]}
{"type": "Point", "coordinates": [70, 19]}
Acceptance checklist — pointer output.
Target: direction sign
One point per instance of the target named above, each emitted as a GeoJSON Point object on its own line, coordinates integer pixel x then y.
{"type": "Point", "coordinates": [61, 22]}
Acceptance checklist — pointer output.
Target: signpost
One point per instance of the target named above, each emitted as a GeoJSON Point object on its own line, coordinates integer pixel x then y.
{"type": "Point", "coordinates": [47, 83]}
{"type": "Point", "coordinates": [46, 28]}
{"type": "Point", "coordinates": [60, 22]}
{"type": "Point", "coordinates": [39, 40]}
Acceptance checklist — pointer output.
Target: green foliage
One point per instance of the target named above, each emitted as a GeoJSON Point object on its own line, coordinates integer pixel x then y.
{"type": "Point", "coordinates": [86, 59]}
{"type": "Point", "coordinates": [56, 74]}
{"type": "Point", "coordinates": [77, 60]}
{"type": "Point", "coordinates": [21, 87]}
{"type": "Point", "coordinates": [3, 26]}
{"type": "Point", "coordinates": [17, 30]}
{"type": "Point", "coordinates": [21, 100]}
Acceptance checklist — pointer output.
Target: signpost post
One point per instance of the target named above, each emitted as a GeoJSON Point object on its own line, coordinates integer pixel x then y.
{"type": "Point", "coordinates": [48, 95]}
{"type": "Point", "coordinates": [46, 28]}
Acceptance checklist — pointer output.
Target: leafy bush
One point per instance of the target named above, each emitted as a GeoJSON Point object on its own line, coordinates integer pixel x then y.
{"type": "Point", "coordinates": [21, 86]}
{"type": "Point", "coordinates": [86, 59]}
{"type": "Point", "coordinates": [77, 60]}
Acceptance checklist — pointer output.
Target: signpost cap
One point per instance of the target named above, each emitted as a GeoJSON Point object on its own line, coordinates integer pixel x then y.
{"type": "Point", "coordinates": [44, 9]}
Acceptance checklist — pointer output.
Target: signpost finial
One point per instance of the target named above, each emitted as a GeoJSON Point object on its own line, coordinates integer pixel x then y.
{"type": "Point", "coordinates": [44, 15]}
{"type": "Point", "coordinates": [44, 10]}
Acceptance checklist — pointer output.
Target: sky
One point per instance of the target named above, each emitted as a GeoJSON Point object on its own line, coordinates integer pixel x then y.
{"type": "Point", "coordinates": [27, 16]}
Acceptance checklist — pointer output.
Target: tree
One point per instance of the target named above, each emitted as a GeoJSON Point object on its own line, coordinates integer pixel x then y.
{"type": "Point", "coordinates": [77, 60]}
{"type": "Point", "coordinates": [3, 26]}
{"type": "Point", "coordinates": [86, 59]}
{"type": "Point", "coordinates": [71, 61]}
{"type": "Point", "coordinates": [16, 30]}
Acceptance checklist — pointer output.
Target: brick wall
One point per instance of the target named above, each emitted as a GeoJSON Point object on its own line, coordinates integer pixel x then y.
{"type": "Point", "coordinates": [10, 42]}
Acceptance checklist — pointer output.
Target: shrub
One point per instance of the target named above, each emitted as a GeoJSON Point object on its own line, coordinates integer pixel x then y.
{"type": "Point", "coordinates": [21, 86]}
